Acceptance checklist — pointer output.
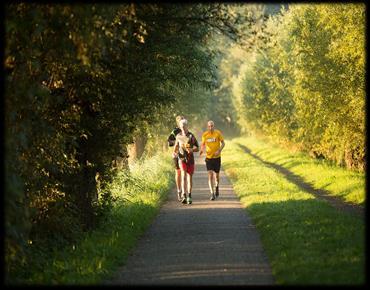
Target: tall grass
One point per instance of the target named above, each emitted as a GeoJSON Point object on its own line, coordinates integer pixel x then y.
{"type": "Point", "coordinates": [308, 242]}
{"type": "Point", "coordinates": [138, 195]}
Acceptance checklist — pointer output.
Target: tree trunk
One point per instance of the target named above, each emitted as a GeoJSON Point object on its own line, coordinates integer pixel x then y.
{"type": "Point", "coordinates": [136, 150]}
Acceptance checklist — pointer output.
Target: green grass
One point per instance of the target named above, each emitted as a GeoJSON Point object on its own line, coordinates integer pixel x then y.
{"type": "Point", "coordinates": [100, 253]}
{"type": "Point", "coordinates": [308, 242]}
{"type": "Point", "coordinates": [346, 184]}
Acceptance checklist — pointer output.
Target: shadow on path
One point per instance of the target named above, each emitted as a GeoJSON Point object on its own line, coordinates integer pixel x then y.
{"type": "Point", "coordinates": [205, 243]}
{"type": "Point", "coordinates": [319, 193]}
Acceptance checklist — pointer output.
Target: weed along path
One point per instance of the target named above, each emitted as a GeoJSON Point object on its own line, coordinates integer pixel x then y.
{"type": "Point", "coordinates": [205, 243]}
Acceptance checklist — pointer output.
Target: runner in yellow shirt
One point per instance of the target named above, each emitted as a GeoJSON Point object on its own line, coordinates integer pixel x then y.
{"type": "Point", "coordinates": [213, 143]}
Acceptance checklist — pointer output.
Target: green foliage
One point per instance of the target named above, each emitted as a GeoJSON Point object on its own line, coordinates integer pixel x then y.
{"type": "Point", "coordinates": [96, 255]}
{"type": "Point", "coordinates": [232, 60]}
{"type": "Point", "coordinates": [304, 82]}
{"type": "Point", "coordinates": [82, 82]}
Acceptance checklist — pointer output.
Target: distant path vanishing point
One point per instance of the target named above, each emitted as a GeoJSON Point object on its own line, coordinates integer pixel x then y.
{"type": "Point", "coordinates": [205, 243]}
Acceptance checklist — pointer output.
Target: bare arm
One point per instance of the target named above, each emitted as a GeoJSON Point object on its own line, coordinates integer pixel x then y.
{"type": "Point", "coordinates": [195, 149]}
{"type": "Point", "coordinates": [222, 145]}
{"type": "Point", "coordinates": [202, 145]}
{"type": "Point", "coordinates": [218, 152]}
{"type": "Point", "coordinates": [175, 149]}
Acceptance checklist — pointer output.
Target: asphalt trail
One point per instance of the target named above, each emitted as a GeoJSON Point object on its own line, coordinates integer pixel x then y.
{"type": "Point", "coordinates": [205, 243]}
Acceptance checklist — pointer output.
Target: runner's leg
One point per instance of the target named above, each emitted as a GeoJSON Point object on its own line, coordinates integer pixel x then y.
{"type": "Point", "coordinates": [178, 179]}
{"type": "Point", "coordinates": [217, 181]}
{"type": "Point", "coordinates": [177, 174]}
{"type": "Point", "coordinates": [190, 183]}
{"type": "Point", "coordinates": [178, 183]}
{"type": "Point", "coordinates": [217, 166]}
{"type": "Point", "coordinates": [211, 177]}
{"type": "Point", "coordinates": [210, 180]}
{"type": "Point", "coordinates": [183, 181]}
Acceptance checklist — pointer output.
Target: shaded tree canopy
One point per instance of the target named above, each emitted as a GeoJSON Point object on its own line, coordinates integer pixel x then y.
{"type": "Point", "coordinates": [81, 81]}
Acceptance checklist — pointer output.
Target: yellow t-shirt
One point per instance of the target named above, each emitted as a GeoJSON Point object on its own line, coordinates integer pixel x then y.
{"type": "Point", "coordinates": [212, 142]}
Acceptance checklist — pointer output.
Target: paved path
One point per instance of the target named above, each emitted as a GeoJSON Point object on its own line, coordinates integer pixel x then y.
{"type": "Point", "coordinates": [205, 243]}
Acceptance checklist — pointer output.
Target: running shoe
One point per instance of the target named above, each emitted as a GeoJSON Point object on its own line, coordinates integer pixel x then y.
{"type": "Point", "coordinates": [212, 196]}
{"type": "Point", "coordinates": [217, 192]}
{"type": "Point", "coordinates": [189, 201]}
{"type": "Point", "coordinates": [183, 200]}
{"type": "Point", "coordinates": [179, 196]}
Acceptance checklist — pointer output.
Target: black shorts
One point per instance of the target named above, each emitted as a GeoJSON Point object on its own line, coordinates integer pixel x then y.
{"type": "Point", "coordinates": [213, 164]}
{"type": "Point", "coordinates": [176, 163]}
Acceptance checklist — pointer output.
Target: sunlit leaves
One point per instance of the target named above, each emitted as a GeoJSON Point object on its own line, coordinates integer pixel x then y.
{"type": "Point", "coordinates": [312, 81]}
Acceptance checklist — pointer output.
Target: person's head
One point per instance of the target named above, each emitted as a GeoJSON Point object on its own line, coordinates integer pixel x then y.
{"type": "Point", "coordinates": [211, 125]}
{"type": "Point", "coordinates": [178, 119]}
{"type": "Point", "coordinates": [183, 124]}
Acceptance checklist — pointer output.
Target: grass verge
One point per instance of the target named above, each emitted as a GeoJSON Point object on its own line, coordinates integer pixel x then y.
{"type": "Point", "coordinates": [101, 252]}
{"type": "Point", "coordinates": [346, 184]}
{"type": "Point", "coordinates": [307, 241]}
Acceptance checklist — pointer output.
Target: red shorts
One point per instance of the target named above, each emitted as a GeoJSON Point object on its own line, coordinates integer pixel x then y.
{"type": "Point", "coordinates": [189, 168]}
